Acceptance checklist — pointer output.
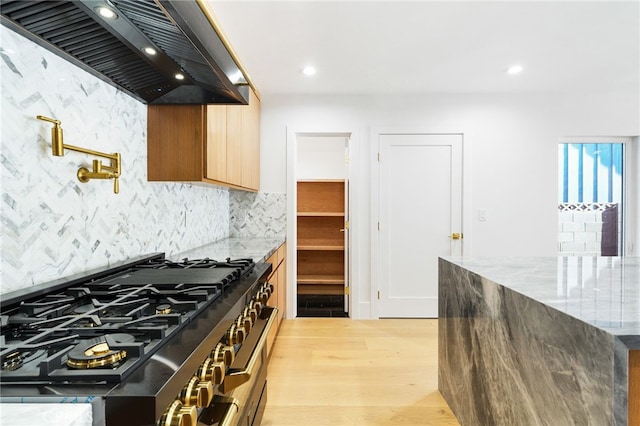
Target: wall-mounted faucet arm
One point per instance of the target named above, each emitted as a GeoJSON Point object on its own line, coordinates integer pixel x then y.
{"type": "Point", "coordinates": [91, 152]}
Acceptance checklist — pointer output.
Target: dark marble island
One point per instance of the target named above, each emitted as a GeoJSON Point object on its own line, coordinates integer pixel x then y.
{"type": "Point", "coordinates": [540, 341]}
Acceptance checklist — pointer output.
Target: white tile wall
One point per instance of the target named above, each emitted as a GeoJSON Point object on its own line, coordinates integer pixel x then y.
{"type": "Point", "coordinates": [580, 232]}
{"type": "Point", "coordinates": [594, 226]}
{"type": "Point", "coordinates": [258, 214]}
{"type": "Point", "coordinates": [565, 237]}
{"type": "Point", "coordinates": [53, 225]}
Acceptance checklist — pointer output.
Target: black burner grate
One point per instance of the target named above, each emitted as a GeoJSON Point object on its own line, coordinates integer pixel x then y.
{"type": "Point", "coordinates": [148, 303]}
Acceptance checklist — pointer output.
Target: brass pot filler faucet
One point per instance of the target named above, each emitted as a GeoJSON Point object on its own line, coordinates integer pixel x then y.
{"type": "Point", "coordinates": [84, 175]}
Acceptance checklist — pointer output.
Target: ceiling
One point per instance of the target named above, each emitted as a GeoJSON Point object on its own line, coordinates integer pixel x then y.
{"type": "Point", "coordinates": [449, 46]}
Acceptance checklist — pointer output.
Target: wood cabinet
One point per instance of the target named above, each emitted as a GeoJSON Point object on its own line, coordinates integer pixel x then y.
{"type": "Point", "coordinates": [634, 387]}
{"type": "Point", "coordinates": [218, 144]}
{"type": "Point", "coordinates": [320, 249]}
{"type": "Point", "coordinates": [278, 278]}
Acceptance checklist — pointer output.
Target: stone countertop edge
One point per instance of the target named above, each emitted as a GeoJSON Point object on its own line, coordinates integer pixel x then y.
{"type": "Point", "coordinates": [258, 249]}
{"type": "Point", "coordinates": [514, 273]}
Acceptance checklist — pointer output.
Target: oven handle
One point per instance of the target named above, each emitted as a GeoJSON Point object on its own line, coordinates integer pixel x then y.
{"type": "Point", "coordinates": [235, 378]}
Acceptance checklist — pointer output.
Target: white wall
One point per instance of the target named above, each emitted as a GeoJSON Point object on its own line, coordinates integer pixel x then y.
{"type": "Point", "coordinates": [321, 157]}
{"type": "Point", "coordinates": [511, 153]}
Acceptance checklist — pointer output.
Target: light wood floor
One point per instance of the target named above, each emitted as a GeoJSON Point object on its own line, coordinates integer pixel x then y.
{"type": "Point", "coordinates": [338, 371]}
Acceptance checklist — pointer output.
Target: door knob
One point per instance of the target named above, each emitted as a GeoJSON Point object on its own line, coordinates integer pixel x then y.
{"type": "Point", "coordinates": [456, 236]}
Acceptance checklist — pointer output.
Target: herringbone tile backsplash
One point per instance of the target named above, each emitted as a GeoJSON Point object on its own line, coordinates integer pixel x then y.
{"type": "Point", "coordinates": [52, 224]}
{"type": "Point", "coordinates": [257, 214]}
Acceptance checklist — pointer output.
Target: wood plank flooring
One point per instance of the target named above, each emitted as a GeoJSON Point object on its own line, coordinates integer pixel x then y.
{"type": "Point", "coordinates": [338, 371]}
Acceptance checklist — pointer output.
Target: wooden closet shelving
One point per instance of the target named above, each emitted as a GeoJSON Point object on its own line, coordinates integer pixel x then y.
{"type": "Point", "coordinates": [321, 236]}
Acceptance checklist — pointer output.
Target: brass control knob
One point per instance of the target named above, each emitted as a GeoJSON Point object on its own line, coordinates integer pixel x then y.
{"type": "Point", "coordinates": [235, 334]}
{"type": "Point", "coordinates": [256, 304]}
{"type": "Point", "coordinates": [247, 324]}
{"type": "Point", "coordinates": [211, 371]}
{"type": "Point", "coordinates": [231, 335]}
{"type": "Point", "coordinates": [241, 334]}
{"type": "Point", "coordinates": [223, 353]}
{"type": "Point", "coordinates": [251, 313]}
{"type": "Point", "coordinates": [244, 322]}
{"type": "Point", "coordinates": [271, 287]}
{"type": "Point", "coordinates": [179, 414]}
{"type": "Point", "coordinates": [197, 393]}
{"type": "Point", "coordinates": [205, 388]}
{"type": "Point", "coordinates": [263, 296]}
{"type": "Point", "coordinates": [267, 288]}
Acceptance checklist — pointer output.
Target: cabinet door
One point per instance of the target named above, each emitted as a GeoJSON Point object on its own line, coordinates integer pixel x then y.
{"type": "Point", "coordinates": [174, 142]}
{"type": "Point", "coordinates": [215, 143]}
{"type": "Point", "coordinates": [234, 145]}
{"type": "Point", "coordinates": [251, 143]}
{"type": "Point", "coordinates": [216, 151]}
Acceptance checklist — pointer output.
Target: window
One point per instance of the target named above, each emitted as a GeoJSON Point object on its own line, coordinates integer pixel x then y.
{"type": "Point", "coordinates": [590, 195]}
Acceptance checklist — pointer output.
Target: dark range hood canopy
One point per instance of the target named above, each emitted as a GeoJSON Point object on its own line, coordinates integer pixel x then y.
{"type": "Point", "coordinates": [181, 32]}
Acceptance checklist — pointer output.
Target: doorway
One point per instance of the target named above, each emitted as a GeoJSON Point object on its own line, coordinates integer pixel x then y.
{"type": "Point", "coordinates": [322, 256]}
{"type": "Point", "coordinates": [419, 219]}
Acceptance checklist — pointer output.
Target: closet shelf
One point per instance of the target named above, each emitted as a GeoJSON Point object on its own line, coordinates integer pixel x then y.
{"type": "Point", "coordinates": [325, 248]}
{"type": "Point", "coordinates": [327, 214]}
{"type": "Point", "coordinates": [321, 279]}
{"type": "Point", "coordinates": [320, 244]}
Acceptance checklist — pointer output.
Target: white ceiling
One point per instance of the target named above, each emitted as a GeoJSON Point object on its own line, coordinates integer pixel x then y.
{"type": "Point", "coordinates": [449, 46]}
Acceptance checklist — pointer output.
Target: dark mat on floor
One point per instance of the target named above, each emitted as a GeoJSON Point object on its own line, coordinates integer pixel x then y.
{"type": "Point", "coordinates": [311, 305]}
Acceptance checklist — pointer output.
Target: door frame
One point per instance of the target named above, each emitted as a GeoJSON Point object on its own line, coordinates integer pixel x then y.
{"type": "Point", "coordinates": [375, 196]}
{"type": "Point", "coordinates": [355, 177]}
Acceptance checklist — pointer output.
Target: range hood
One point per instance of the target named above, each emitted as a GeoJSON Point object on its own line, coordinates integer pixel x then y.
{"type": "Point", "coordinates": [158, 51]}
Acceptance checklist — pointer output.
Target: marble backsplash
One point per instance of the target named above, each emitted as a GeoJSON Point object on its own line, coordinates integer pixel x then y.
{"type": "Point", "coordinates": [53, 225]}
{"type": "Point", "coordinates": [257, 214]}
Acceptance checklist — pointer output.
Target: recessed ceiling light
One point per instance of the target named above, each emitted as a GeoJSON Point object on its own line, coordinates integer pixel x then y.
{"type": "Point", "coordinates": [309, 70]}
{"type": "Point", "coordinates": [149, 50]}
{"type": "Point", "coordinates": [105, 12]}
{"type": "Point", "coordinates": [179, 76]}
{"type": "Point", "coordinates": [514, 69]}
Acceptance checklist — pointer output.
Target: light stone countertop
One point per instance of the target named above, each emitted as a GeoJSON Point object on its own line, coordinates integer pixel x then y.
{"type": "Point", "coordinates": [601, 291]}
{"type": "Point", "coordinates": [45, 414]}
{"type": "Point", "coordinates": [258, 249]}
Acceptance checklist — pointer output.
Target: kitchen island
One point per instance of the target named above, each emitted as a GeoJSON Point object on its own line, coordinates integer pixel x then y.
{"type": "Point", "coordinates": [540, 341]}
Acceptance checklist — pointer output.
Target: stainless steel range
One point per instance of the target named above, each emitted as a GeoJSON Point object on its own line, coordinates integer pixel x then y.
{"type": "Point", "coordinates": [150, 342]}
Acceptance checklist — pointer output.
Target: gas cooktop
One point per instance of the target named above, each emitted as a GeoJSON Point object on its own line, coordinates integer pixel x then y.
{"type": "Point", "coordinates": [103, 329]}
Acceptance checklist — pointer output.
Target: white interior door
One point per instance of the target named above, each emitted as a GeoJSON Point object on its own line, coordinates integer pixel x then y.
{"type": "Point", "coordinates": [420, 218]}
